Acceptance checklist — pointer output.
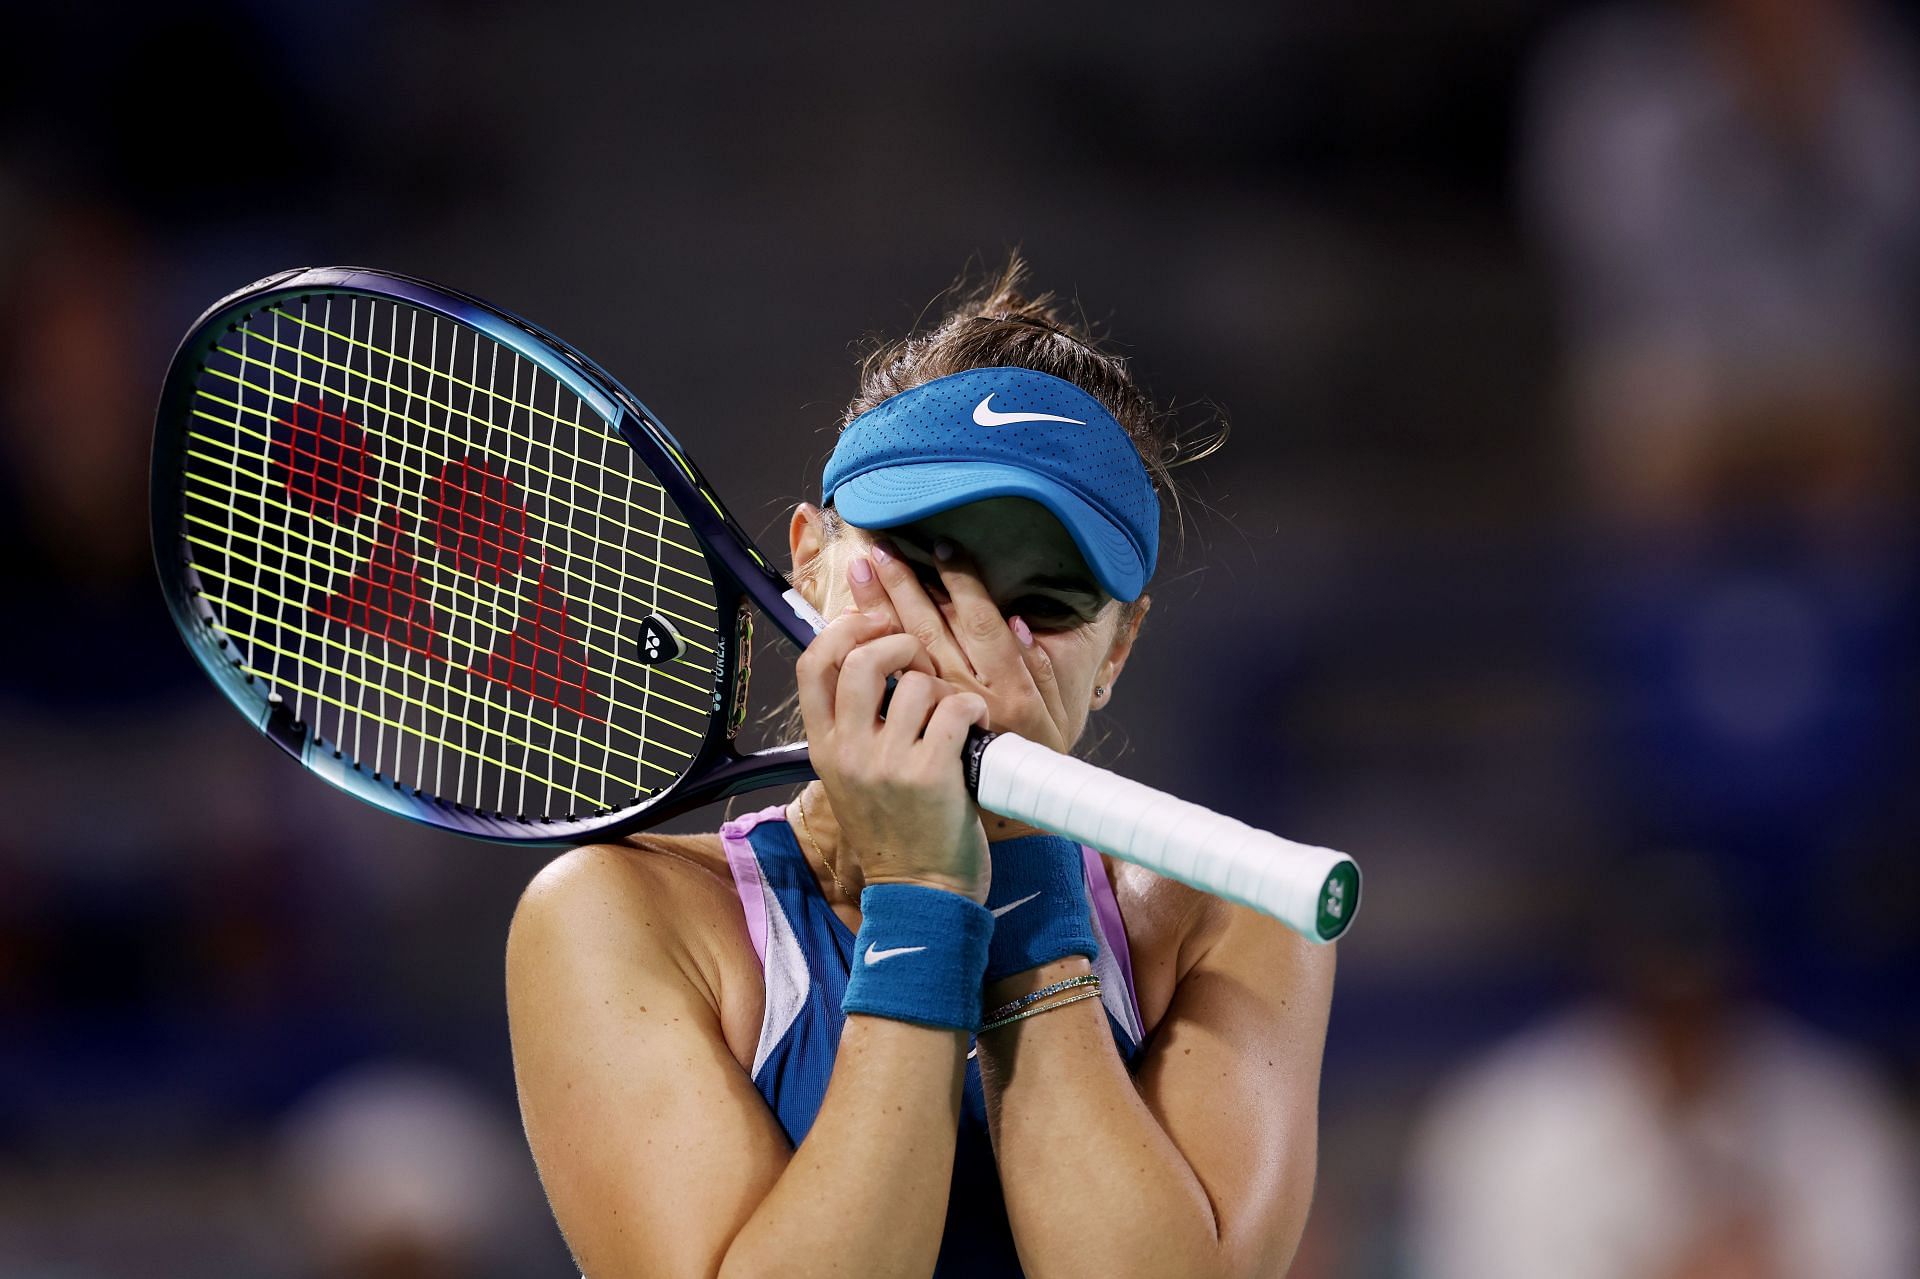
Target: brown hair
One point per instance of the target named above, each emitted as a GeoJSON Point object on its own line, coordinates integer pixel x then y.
{"type": "Point", "coordinates": [992, 324]}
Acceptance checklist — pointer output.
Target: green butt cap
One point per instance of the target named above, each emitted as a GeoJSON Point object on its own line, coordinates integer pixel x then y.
{"type": "Point", "coordinates": [1339, 901]}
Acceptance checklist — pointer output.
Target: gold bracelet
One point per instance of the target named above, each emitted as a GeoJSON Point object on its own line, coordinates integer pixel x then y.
{"type": "Point", "coordinates": [1034, 1012]}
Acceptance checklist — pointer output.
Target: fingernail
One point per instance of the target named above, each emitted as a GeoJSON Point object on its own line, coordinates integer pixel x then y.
{"type": "Point", "coordinates": [861, 570]}
{"type": "Point", "coordinates": [1020, 631]}
{"type": "Point", "coordinates": [943, 550]}
{"type": "Point", "coordinates": [881, 554]}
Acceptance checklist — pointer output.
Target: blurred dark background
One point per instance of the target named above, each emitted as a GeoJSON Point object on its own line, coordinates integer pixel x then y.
{"type": "Point", "coordinates": [1561, 566]}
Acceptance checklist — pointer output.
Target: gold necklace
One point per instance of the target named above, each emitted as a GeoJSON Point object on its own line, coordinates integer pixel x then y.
{"type": "Point", "coordinates": [808, 828]}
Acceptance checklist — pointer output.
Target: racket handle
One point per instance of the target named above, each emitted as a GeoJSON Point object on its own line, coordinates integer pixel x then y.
{"type": "Point", "coordinates": [1314, 891]}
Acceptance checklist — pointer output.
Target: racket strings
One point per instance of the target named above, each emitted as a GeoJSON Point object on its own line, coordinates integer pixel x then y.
{"type": "Point", "coordinates": [344, 563]}
{"type": "Point", "coordinates": [437, 553]}
{"type": "Point", "coordinates": [508, 401]}
{"type": "Point", "coordinates": [650, 759]}
{"type": "Point", "coordinates": [225, 492]}
{"type": "Point", "coordinates": [554, 498]}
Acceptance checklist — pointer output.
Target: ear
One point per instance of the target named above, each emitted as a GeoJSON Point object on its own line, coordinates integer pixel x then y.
{"type": "Point", "coordinates": [1122, 648]}
{"type": "Point", "coordinates": [806, 540]}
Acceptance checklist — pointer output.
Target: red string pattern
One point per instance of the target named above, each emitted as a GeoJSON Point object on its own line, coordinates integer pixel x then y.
{"type": "Point", "coordinates": [539, 658]}
{"type": "Point", "coordinates": [476, 519]}
{"type": "Point", "coordinates": [320, 459]}
{"type": "Point", "coordinates": [385, 597]}
{"type": "Point", "coordinates": [471, 515]}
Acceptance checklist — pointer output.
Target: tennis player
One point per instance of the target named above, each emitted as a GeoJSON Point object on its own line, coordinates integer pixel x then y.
{"type": "Point", "coordinates": [876, 1031]}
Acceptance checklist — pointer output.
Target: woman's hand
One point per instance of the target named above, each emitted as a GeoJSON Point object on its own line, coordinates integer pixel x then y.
{"type": "Point", "coordinates": [972, 646]}
{"type": "Point", "coordinates": [896, 784]}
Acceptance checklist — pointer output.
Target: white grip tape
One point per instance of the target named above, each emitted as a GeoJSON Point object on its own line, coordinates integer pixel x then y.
{"type": "Point", "coordinates": [1216, 854]}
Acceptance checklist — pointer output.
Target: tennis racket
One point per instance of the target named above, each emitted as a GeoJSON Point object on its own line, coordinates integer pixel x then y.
{"type": "Point", "coordinates": [446, 562]}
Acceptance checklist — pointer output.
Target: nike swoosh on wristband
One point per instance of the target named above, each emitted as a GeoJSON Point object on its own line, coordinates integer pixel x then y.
{"type": "Point", "coordinates": [984, 416]}
{"type": "Point", "coordinates": [874, 954]}
{"type": "Point", "coordinates": [1001, 910]}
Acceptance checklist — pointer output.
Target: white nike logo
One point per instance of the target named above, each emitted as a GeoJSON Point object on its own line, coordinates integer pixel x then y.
{"type": "Point", "coordinates": [874, 954]}
{"type": "Point", "coordinates": [1001, 910]}
{"type": "Point", "coordinates": [984, 416]}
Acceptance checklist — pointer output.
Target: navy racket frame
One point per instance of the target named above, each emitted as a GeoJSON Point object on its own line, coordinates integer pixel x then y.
{"type": "Point", "coordinates": [742, 578]}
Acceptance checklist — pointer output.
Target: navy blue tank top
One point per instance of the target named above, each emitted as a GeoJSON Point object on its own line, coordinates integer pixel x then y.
{"type": "Point", "coordinates": [805, 951]}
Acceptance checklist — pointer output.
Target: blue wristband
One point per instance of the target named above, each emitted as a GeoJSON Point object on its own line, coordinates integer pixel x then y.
{"type": "Point", "coordinates": [919, 956]}
{"type": "Point", "coordinates": [1039, 905]}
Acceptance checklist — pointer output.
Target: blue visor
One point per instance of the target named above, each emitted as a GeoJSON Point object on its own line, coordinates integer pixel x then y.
{"type": "Point", "coordinates": [1003, 432]}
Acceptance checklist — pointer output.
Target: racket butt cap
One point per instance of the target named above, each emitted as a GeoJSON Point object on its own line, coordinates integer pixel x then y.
{"type": "Point", "coordinates": [1338, 901]}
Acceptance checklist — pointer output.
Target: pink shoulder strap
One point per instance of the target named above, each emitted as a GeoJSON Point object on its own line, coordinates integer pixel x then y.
{"type": "Point", "coordinates": [1114, 929]}
{"type": "Point", "coordinates": [746, 872]}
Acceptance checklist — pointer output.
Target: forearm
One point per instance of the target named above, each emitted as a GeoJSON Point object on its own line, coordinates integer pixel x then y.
{"type": "Point", "coordinates": [866, 1192]}
{"type": "Point", "coordinates": [1093, 1184]}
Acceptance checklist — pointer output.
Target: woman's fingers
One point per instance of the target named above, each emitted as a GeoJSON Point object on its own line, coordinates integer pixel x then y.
{"type": "Point", "coordinates": [990, 643]}
{"type": "Point", "coordinates": [864, 672]}
{"type": "Point", "coordinates": [947, 727]}
{"type": "Point", "coordinates": [817, 672]}
{"type": "Point", "coordinates": [869, 596]}
{"type": "Point", "coordinates": [919, 616]}
{"type": "Point", "coordinates": [1016, 671]}
{"type": "Point", "coordinates": [1046, 681]}
{"type": "Point", "coordinates": [915, 694]}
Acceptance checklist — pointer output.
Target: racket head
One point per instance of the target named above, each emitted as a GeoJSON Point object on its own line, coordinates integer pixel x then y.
{"type": "Point", "coordinates": [450, 565]}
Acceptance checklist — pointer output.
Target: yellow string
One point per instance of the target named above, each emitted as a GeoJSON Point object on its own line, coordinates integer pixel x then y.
{"type": "Point", "coordinates": [425, 678]}
{"type": "Point", "coordinates": [470, 447]}
{"type": "Point", "coordinates": [284, 576]}
{"type": "Point", "coordinates": [351, 560]}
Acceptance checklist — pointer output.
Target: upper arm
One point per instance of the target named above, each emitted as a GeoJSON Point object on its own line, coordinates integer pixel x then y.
{"type": "Point", "coordinates": [1232, 1072]}
{"type": "Point", "coordinates": [652, 1142]}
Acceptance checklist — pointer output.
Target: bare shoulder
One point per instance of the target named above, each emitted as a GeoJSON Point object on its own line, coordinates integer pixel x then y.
{"type": "Point", "coordinates": [619, 995]}
{"type": "Point", "coordinates": [649, 874]}
{"type": "Point", "coordinates": [1173, 928]}
{"type": "Point", "coordinates": [657, 900]}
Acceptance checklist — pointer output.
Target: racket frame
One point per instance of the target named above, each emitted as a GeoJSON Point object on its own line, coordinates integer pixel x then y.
{"type": "Point", "coordinates": [1314, 890]}
{"type": "Point", "coordinates": [741, 575]}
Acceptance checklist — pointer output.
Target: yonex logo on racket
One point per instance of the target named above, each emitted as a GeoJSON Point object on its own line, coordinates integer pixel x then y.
{"type": "Point", "coordinates": [658, 640]}
{"type": "Point", "coordinates": [984, 415]}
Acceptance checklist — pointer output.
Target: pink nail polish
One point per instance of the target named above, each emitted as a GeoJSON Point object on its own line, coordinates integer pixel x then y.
{"type": "Point", "coordinates": [1020, 631]}
{"type": "Point", "coordinates": [861, 570]}
{"type": "Point", "coordinates": [880, 554]}
{"type": "Point", "coordinates": [943, 550]}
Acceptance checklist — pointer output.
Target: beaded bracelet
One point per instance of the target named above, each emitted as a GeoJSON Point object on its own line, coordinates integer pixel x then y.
{"type": "Point", "coordinates": [1085, 979]}
{"type": "Point", "coordinates": [1034, 1012]}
